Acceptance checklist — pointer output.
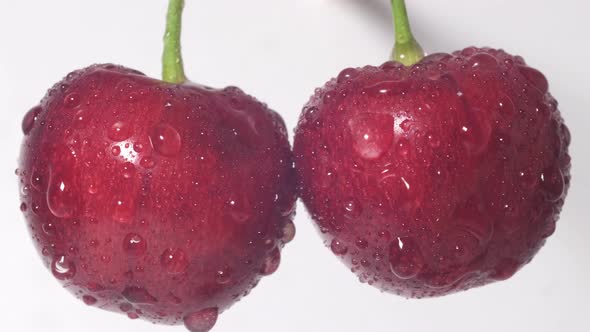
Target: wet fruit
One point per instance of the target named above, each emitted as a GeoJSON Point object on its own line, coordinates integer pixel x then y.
{"type": "Point", "coordinates": [162, 200]}
{"type": "Point", "coordinates": [435, 177]}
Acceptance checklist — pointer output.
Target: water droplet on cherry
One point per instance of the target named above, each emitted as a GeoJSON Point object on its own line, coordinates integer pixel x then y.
{"type": "Point", "coordinates": [134, 244]}
{"type": "Point", "coordinates": [166, 140]}
{"type": "Point", "coordinates": [338, 248]}
{"type": "Point", "coordinates": [405, 258]}
{"type": "Point", "coordinates": [174, 261]}
{"type": "Point", "coordinates": [372, 134]}
{"type": "Point", "coordinates": [272, 262]}
{"type": "Point", "coordinates": [62, 268]}
{"type": "Point", "coordinates": [201, 321]}
{"type": "Point", "coordinates": [29, 119]}
{"type": "Point", "coordinates": [119, 131]}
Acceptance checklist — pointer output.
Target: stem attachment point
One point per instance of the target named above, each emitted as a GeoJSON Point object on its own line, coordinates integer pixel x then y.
{"type": "Point", "coordinates": [406, 50]}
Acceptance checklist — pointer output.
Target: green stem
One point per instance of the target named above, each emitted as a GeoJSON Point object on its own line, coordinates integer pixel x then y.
{"type": "Point", "coordinates": [172, 66]}
{"type": "Point", "coordinates": [406, 50]}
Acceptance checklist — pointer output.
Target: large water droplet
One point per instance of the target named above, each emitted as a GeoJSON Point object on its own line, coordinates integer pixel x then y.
{"type": "Point", "coordinates": [138, 295]}
{"type": "Point", "coordinates": [352, 208]}
{"type": "Point", "coordinates": [174, 261]}
{"type": "Point", "coordinates": [72, 100]}
{"type": "Point", "coordinates": [347, 74]}
{"type": "Point", "coordinates": [483, 61]}
{"type": "Point", "coordinates": [119, 131]}
{"type": "Point", "coordinates": [272, 262]}
{"type": "Point", "coordinates": [38, 181]}
{"type": "Point", "coordinates": [128, 170]}
{"type": "Point", "coordinates": [223, 276]}
{"type": "Point", "coordinates": [165, 140]}
{"type": "Point", "coordinates": [552, 183]}
{"type": "Point", "coordinates": [201, 321]}
{"type": "Point", "coordinates": [89, 300]}
{"type": "Point", "coordinates": [535, 77]}
{"type": "Point", "coordinates": [476, 133]}
{"type": "Point", "coordinates": [405, 258]}
{"type": "Point", "coordinates": [123, 210]}
{"type": "Point", "coordinates": [29, 119]}
{"type": "Point", "coordinates": [62, 268]}
{"type": "Point", "coordinates": [288, 232]}
{"type": "Point", "coordinates": [372, 134]}
{"type": "Point", "coordinates": [338, 248]}
{"type": "Point", "coordinates": [134, 244]}
{"type": "Point", "coordinates": [147, 162]}
{"type": "Point", "coordinates": [62, 197]}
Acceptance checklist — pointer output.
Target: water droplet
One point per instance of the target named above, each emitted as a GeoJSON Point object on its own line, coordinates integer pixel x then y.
{"type": "Point", "coordinates": [405, 125]}
{"type": "Point", "coordinates": [134, 244]}
{"type": "Point", "coordinates": [38, 181]}
{"type": "Point", "coordinates": [138, 295]}
{"type": "Point", "coordinates": [476, 134]}
{"type": "Point", "coordinates": [505, 105]}
{"type": "Point", "coordinates": [62, 197]}
{"type": "Point", "coordinates": [25, 191]}
{"type": "Point", "coordinates": [223, 276]}
{"type": "Point", "coordinates": [552, 183]}
{"type": "Point", "coordinates": [23, 207]}
{"type": "Point", "coordinates": [123, 210]}
{"type": "Point", "coordinates": [272, 262]}
{"type": "Point", "coordinates": [347, 75]}
{"type": "Point", "coordinates": [361, 243]}
{"type": "Point", "coordinates": [201, 321]}
{"type": "Point", "coordinates": [89, 300]}
{"type": "Point", "coordinates": [132, 315]}
{"type": "Point", "coordinates": [535, 77]}
{"type": "Point", "coordinates": [62, 268]}
{"type": "Point", "coordinates": [72, 100]}
{"type": "Point", "coordinates": [483, 61]}
{"type": "Point", "coordinates": [288, 232]}
{"type": "Point", "coordinates": [352, 208]}
{"type": "Point", "coordinates": [174, 261]}
{"type": "Point", "coordinates": [49, 229]}
{"type": "Point", "coordinates": [29, 119]}
{"type": "Point", "coordinates": [126, 307]}
{"type": "Point", "coordinates": [338, 248]}
{"type": "Point", "coordinates": [165, 140]}
{"type": "Point", "coordinates": [92, 189]}
{"type": "Point", "coordinates": [405, 258]}
{"type": "Point", "coordinates": [116, 150]}
{"type": "Point", "coordinates": [147, 162]}
{"type": "Point", "coordinates": [119, 131]}
{"type": "Point", "coordinates": [128, 170]}
{"type": "Point", "coordinates": [372, 134]}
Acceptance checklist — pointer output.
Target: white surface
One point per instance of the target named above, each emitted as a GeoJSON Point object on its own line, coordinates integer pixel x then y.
{"type": "Point", "coordinates": [280, 51]}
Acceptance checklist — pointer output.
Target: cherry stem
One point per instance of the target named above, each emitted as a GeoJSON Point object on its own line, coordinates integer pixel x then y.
{"type": "Point", "coordinates": [172, 65]}
{"type": "Point", "coordinates": [406, 50]}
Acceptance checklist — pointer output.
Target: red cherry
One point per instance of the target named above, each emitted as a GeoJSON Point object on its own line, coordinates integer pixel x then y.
{"type": "Point", "coordinates": [126, 182]}
{"type": "Point", "coordinates": [435, 177]}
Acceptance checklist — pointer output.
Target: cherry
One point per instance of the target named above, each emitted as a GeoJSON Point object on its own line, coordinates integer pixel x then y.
{"type": "Point", "coordinates": [162, 200]}
{"type": "Point", "coordinates": [431, 175]}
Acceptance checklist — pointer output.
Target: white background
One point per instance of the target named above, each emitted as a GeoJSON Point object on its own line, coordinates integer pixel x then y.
{"type": "Point", "coordinates": [279, 51]}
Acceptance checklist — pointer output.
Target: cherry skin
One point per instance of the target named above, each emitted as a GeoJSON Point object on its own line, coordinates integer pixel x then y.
{"type": "Point", "coordinates": [167, 202]}
{"type": "Point", "coordinates": [437, 177]}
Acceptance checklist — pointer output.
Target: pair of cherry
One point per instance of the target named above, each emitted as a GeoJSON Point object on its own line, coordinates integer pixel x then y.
{"type": "Point", "coordinates": [169, 201]}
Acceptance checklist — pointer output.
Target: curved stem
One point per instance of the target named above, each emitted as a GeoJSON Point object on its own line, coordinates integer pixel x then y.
{"type": "Point", "coordinates": [406, 50]}
{"type": "Point", "coordinates": [172, 65]}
